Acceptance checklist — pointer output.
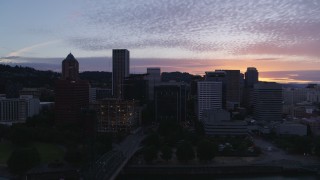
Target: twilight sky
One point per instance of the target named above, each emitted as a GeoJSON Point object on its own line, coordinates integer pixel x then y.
{"type": "Point", "coordinates": [194, 36]}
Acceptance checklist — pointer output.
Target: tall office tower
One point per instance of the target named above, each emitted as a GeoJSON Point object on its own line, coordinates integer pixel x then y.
{"type": "Point", "coordinates": [71, 93]}
{"type": "Point", "coordinates": [232, 89]}
{"type": "Point", "coordinates": [267, 101]}
{"type": "Point", "coordinates": [219, 76]}
{"type": "Point", "coordinates": [70, 68]}
{"type": "Point", "coordinates": [120, 70]}
{"type": "Point", "coordinates": [170, 102]}
{"type": "Point", "coordinates": [251, 76]}
{"type": "Point", "coordinates": [209, 96]}
{"type": "Point", "coordinates": [241, 80]}
{"type": "Point", "coordinates": [154, 78]}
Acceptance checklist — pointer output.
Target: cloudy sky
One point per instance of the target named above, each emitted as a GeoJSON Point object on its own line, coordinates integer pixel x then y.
{"type": "Point", "coordinates": [282, 36]}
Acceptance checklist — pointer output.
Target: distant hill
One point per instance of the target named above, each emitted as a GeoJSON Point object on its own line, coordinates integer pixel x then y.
{"type": "Point", "coordinates": [26, 76]}
{"type": "Point", "coordinates": [177, 76]}
{"type": "Point", "coordinates": [13, 78]}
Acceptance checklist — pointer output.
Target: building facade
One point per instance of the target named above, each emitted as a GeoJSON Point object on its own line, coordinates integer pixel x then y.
{"type": "Point", "coordinates": [115, 116]}
{"type": "Point", "coordinates": [120, 70]}
{"type": "Point", "coordinates": [170, 102]}
{"type": "Point", "coordinates": [267, 101]}
{"type": "Point", "coordinates": [251, 78]}
{"type": "Point", "coordinates": [70, 68]}
{"type": "Point", "coordinates": [232, 89]}
{"type": "Point", "coordinates": [71, 93]}
{"type": "Point", "coordinates": [154, 78]}
{"type": "Point", "coordinates": [17, 110]}
{"type": "Point", "coordinates": [209, 96]}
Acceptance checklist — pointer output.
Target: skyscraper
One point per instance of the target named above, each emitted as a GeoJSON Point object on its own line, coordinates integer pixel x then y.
{"type": "Point", "coordinates": [154, 78]}
{"type": "Point", "coordinates": [232, 89]}
{"type": "Point", "coordinates": [120, 70]}
{"type": "Point", "coordinates": [170, 102]}
{"type": "Point", "coordinates": [251, 76]}
{"type": "Point", "coordinates": [267, 101]}
{"type": "Point", "coordinates": [209, 96]}
{"type": "Point", "coordinates": [71, 93]}
{"type": "Point", "coordinates": [70, 68]}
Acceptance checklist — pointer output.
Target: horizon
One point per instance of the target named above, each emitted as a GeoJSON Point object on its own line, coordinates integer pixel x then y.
{"type": "Point", "coordinates": [264, 76]}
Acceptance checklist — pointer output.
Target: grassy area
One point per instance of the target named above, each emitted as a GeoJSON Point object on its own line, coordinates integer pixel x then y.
{"type": "Point", "coordinates": [48, 152]}
{"type": "Point", "coordinates": [5, 151]}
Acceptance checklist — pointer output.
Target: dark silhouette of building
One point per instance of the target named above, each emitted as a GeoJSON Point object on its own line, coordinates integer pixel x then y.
{"type": "Point", "coordinates": [70, 68]}
{"type": "Point", "coordinates": [120, 70]}
{"type": "Point", "coordinates": [170, 102]}
{"type": "Point", "coordinates": [251, 78]}
{"type": "Point", "coordinates": [154, 78]}
{"type": "Point", "coordinates": [232, 89]}
{"type": "Point", "coordinates": [71, 93]}
{"type": "Point", "coordinates": [267, 101]}
{"type": "Point", "coordinates": [136, 88]}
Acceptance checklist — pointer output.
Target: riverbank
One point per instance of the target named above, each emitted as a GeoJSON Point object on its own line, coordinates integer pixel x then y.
{"type": "Point", "coordinates": [214, 170]}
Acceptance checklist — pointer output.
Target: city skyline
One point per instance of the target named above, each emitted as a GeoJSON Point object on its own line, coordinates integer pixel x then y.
{"type": "Point", "coordinates": [279, 38]}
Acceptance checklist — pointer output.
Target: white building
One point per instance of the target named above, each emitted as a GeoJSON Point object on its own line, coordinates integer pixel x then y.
{"type": "Point", "coordinates": [17, 110]}
{"type": "Point", "coordinates": [209, 96]}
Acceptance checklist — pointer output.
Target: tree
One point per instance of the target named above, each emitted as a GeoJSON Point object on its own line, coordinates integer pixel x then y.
{"type": "Point", "coordinates": [73, 155]}
{"type": "Point", "coordinates": [166, 153]}
{"type": "Point", "coordinates": [150, 153]}
{"type": "Point", "coordinates": [206, 150]}
{"type": "Point", "coordinates": [152, 140]}
{"type": "Point", "coordinates": [185, 152]}
{"type": "Point", "coordinates": [23, 159]}
{"type": "Point", "coordinates": [20, 135]}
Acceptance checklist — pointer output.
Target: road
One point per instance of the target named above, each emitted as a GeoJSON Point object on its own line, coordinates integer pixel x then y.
{"type": "Point", "coordinates": [275, 155]}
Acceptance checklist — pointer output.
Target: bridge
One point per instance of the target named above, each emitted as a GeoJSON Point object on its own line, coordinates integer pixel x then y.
{"type": "Point", "coordinates": [110, 164]}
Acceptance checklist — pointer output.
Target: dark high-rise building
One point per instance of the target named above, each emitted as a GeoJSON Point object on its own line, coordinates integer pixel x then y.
{"type": "Point", "coordinates": [251, 77]}
{"type": "Point", "coordinates": [71, 93]}
{"type": "Point", "coordinates": [120, 70]}
{"type": "Point", "coordinates": [267, 101]}
{"type": "Point", "coordinates": [170, 102]}
{"type": "Point", "coordinates": [154, 78]}
{"type": "Point", "coordinates": [209, 96]}
{"type": "Point", "coordinates": [232, 89]}
{"type": "Point", "coordinates": [136, 88]}
{"type": "Point", "coordinates": [70, 68]}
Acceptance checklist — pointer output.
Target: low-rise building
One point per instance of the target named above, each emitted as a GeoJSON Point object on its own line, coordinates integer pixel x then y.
{"type": "Point", "coordinates": [217, 122]}
{"type": "Point", "coordinates": [17, 110]}
{"type": "Point", "coordinates": [291, 129]}
{"type": "Point", "coordinates": [314, 124]}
